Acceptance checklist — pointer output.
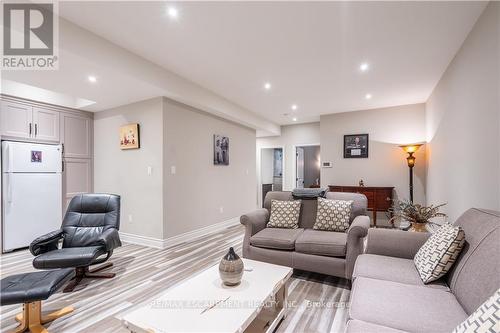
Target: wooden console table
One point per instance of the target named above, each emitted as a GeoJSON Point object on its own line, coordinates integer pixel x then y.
{"type": "Point", "coordinates": [379, 198]}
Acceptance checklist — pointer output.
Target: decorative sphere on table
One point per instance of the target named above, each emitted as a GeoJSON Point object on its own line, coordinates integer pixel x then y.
{"type": "Point", "coordinates": [231, 268]}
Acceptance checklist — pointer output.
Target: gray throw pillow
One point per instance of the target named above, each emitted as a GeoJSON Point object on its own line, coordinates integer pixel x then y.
{"type": "Point", "coordinates": [333, 215]}
{"type": "Point", "coordinates": [284, 214]}
{"type": "Point", "coordinates": [435, 258]}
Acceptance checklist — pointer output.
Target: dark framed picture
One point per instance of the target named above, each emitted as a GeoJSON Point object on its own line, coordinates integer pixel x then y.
{"type": "Point", "coordinates": [356, 146]}
{"type": "Point", "coordinates": [221, 150]}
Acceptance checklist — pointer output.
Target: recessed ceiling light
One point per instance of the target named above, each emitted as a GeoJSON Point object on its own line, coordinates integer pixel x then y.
{"type": "Point", "coordinates": [294, 118]}
{"type": "Point", "coordinates": [364, 67]}
{"type": "Point", "coordinates": [92, 79]}
{"type": "Point", "coordinates": [267, 86]}
{"type": "Point", "coordinates": [294, 107]}
{"type": "Point", "coordinates": [368, 96]}
{"type": "Point", "coordinates": [173, 12]}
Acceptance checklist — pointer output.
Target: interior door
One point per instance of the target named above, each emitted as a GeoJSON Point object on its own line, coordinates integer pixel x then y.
{"type": "Point", "coordinates": [46, 124]}
{"type": "Point", "coordinates": [300, 167]}
{"type": "Point", "coordinates": [16, 120]}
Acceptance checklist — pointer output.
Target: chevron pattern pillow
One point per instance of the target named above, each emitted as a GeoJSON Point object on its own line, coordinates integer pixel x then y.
{"type": "Point", "coordinates": [435, 258]}
{"type": "Point", "coordinates": [485, 319]}
{"type": "Point", "coordinates": [284, 214]}
{"type": "Point", "coordinates": [333, 215]}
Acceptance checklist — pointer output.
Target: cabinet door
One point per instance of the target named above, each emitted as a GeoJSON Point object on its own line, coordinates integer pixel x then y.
{"type": "Point", "coordinates": [16, 120]}
{"type": "Point", "coordinates": [76, 135]}
{"type": "Point", "coordinates": [46, 124]}
{"type": "Point", "coordinates": [77, 178]}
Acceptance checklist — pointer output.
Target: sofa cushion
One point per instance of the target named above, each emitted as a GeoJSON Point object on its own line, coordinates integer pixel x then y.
{"type": "Point", "coordinates": [333, 215]}
{"type": "Point", "coordinates": [439, 252]}
{"type": "Point", "coordinates": [324, 243]}
{"type": "Point", "coordinates": [484, 319]}
{"type": "Point", "coordinates": [358, 326]}
{"type": "Point", "coordinates": [276, 238]}
{"type": "Point", "coordinates": [404, 307]}
{"type": "Point", "coordinates": [392, 269]}
{"type": "Point", "coordinates": [284, 214]}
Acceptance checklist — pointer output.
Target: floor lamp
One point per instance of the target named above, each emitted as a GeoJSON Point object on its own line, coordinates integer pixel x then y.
{"type": "Point", "coordinates": [411, 149]}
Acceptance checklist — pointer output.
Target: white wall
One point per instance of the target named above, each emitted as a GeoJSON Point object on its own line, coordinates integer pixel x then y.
{"type": "Point", "coordinates": [198, 190]}
{"type": "Point", "coordinates": [463, 123]}
{"type": "Point", "coordinates": [291, 136]}
{"type": "Point", "coordinates": [267, 166]}
{"type": "Point", "coordinates": [386, 164]}
{"type": "Point", "coordinates": [125, 172]}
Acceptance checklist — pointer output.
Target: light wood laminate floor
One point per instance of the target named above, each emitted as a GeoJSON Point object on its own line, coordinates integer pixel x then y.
{"type": "Point", "coordinates": [319, 302]}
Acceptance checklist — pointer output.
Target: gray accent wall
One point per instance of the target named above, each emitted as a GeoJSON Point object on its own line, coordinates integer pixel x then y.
{"type": "Point", "coordinates": [463, 123]}
{"type": "Point", "coordinates": [200, 193]}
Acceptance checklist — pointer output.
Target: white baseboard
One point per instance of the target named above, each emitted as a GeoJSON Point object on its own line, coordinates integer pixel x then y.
{"type": "Point", "coordinates": [171, 241]}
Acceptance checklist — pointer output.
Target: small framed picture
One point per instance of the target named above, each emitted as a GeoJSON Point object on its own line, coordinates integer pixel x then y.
{"type": "Point", "coordinates": [356, 146]}
{"type": "Point", "coordinates": [221, 150]}
{"type": "Point", "coordinates": [129, 137]}
{"type": "Point", "coordinates": [36, 156]}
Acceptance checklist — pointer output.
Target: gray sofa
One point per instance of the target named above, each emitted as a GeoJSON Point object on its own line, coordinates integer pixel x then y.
{"type": "Point", "coordinates": [388, 296]}
{"type": "Point", "coordinates": [326, 252]}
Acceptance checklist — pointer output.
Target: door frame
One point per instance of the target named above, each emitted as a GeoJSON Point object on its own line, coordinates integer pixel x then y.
{"type": "Point", "coordinates": [294, 165]}
{"type": "Point", "coordinates": [259, 168]}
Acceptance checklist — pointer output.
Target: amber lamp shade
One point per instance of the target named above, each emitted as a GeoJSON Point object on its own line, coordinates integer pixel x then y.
{"type": "Point", "coordinates": [411, 149]}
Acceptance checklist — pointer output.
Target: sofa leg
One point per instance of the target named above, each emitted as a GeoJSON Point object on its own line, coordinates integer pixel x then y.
{"type": "Point", "coordinates": [31, 318]}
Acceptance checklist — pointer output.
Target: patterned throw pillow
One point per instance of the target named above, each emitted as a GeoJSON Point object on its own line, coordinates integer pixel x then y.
{"type": "Point", "coordinates": [485, 319]}
{"type": "Point", "coordinates": [333, 215]}
{"type": "Point", "coordinates": [284, 214]}
{"type": "Point", "coordinates": [435, 258]}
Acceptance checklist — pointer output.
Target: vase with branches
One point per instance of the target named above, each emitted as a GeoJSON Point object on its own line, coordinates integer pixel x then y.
{"type": "Point", "coordinates": [418, 215]}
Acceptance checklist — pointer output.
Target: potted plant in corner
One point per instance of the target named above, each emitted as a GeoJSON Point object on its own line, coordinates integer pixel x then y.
{"type": "Point", "coordinates": [418, 215]}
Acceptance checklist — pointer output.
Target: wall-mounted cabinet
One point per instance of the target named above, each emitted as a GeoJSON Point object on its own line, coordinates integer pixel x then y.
{"type": "Point", "coordinates": [24, 121]}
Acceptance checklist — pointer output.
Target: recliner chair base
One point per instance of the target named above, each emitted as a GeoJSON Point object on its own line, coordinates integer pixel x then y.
{"type": "Point", "coordinates": [86, 272]}
{"type": "Point", "coordinates": [32, 319]}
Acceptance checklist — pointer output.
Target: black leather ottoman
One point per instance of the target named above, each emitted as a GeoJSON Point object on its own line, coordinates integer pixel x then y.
{"type": "Point", "coordinates": [30, 289]}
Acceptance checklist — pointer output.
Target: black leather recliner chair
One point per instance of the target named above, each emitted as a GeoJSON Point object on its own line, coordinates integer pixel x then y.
{"type": "Point", "coordinates": [89, 233]}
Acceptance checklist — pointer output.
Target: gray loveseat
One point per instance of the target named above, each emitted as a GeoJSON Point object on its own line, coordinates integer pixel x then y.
{"type": "Point", "coordinates": [388, 296]}
{"type": "Point", "coordinates": [326, 252]}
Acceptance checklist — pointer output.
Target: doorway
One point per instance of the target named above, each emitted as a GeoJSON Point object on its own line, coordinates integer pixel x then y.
{"type": "Point", "coordinates": [307, 166]}
{"type": "Point", "coordinates": [271, 170]}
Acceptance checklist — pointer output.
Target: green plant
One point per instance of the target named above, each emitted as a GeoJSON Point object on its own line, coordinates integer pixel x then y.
{"type": "Point", "coordinates": [414, 213]}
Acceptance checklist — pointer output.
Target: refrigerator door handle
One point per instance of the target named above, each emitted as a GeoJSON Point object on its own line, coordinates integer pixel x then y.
{"type": "Point", "coordinates": [9, 187]}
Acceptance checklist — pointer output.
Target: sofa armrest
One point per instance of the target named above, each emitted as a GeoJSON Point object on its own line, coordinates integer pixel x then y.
{"type": "Point", "coordinates": [109, 239]}
{"type": "Point", "coordinates": [395, 243]}
{"type": "Point", "coordinates": [46, 243]}
{"type": "Point", "coordinates": [253, 222]}
{"type": "Point", "coordinates": [355, 241]}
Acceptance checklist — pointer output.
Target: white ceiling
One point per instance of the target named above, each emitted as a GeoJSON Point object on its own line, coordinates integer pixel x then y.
{"type": "Point", "coordinates": [309, 51]}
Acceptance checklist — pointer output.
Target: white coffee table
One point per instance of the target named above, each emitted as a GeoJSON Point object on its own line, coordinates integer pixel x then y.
{"type": "Point", "coordinates": [203, 304]}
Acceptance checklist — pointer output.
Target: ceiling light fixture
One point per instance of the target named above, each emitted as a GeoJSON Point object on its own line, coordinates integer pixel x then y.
{"type": "Point", "coordinates": [267, 86]}
{"type": "Point", "coordinates": [294, 118]}
{"type": "Point", "coordinates": [173, 12]}
{"type": "Point", "coordinates": [364, 67]}
{"type": "Point", "coordinates": [368, 96]}
{"type": "Point", "coordinates": [92, 79]}
{"type": "Point", "coordinates": [294, 107]}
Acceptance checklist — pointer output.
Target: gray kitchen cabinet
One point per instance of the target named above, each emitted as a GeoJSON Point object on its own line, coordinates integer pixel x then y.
{"type": "Point", "coordinates": [76, 135]}
{"type": "Point", "coordinates": [46, 124]}
{"type": "Point", "coordinates": [77, 178]}
{"type": "Point", "coordinates": [30, 123]}
{"type": "Point", "coordinates": [16, 120]}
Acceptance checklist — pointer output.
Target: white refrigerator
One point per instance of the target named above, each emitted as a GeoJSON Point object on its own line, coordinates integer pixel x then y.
{"type": "Point", "coordinates": [31, 192]}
